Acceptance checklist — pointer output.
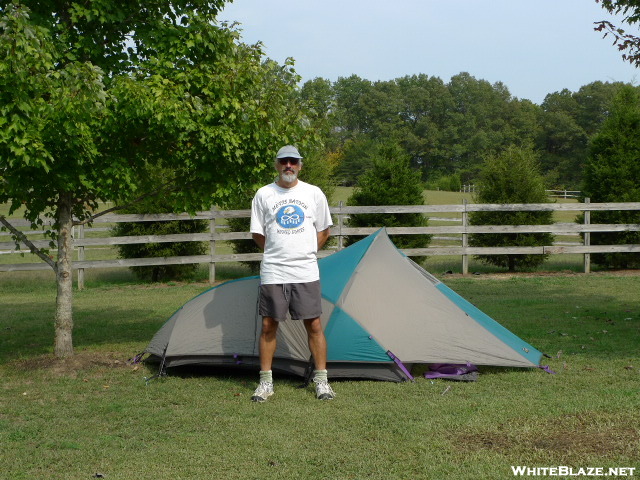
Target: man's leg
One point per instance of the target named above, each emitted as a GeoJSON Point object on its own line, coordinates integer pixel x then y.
{"type": "Point", "coordinates": [267, 350]}
{"type": "Point", "coordinates": [268, 342]}
{"type": "Point", "coordinates": [317, 342]}
{"type": "Point", "coordinates": [318, 347]}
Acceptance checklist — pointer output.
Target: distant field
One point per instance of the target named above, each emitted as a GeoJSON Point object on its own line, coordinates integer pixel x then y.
{"type": "Point", "coordinates": [432, 197]}
{"type": "Point", "coordinates": [436, 197]}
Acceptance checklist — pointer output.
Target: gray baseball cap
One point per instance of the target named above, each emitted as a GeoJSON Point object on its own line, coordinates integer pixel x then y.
{"type": "Point", "coordinates": [288, 151]}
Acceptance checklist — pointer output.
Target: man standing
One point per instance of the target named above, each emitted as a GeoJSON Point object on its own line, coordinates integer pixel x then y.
{"type": "Point", "coordinates": [290, 221]}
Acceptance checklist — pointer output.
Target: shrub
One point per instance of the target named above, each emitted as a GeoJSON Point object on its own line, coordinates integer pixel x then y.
{"type": "Point", "coordinates": [512, 176]}
{"type": "Point", "coordinates": [391, 181]}
{"type": "Point", "coordinates": [159, 273]}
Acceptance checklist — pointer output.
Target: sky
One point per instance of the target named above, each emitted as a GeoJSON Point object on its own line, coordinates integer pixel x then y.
{"type": "Point", "coordinates": [534, 47]}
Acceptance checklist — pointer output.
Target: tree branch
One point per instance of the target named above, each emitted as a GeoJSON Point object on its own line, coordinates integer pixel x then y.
{"type": "Point", "coordinates": [91, 218]}
{"type": "Point", "coordinates": [624, 41]}
{"type": "Point", "coordinates": [23, 238]}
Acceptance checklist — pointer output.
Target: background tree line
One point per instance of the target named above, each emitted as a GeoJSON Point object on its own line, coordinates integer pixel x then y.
{"type": "Point", "coordinates": [448, 128]}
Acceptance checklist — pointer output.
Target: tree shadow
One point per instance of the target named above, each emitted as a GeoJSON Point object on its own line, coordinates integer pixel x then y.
{"type": "Point", "coordinates": [32, 334]}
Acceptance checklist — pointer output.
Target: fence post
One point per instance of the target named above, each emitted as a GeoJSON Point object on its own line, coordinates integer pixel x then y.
{"type": "Point", "coordinates": [465, 238]}
{"type": "Point", "coordinates": [587, 238]}
{"type": "Point", "coordinates": [80, 235]}
{"type": "Point", "coordinates": [212, 244]}
{"type": "Point", "coordinates": [340, 224]}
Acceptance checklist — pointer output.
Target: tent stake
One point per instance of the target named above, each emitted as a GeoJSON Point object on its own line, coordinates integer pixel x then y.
{"type": "Point", "coordinates": [162, 372]}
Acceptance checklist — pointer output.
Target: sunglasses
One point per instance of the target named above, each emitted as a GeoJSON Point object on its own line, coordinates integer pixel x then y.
{"type": "Point", "coordinates": [292, 161]}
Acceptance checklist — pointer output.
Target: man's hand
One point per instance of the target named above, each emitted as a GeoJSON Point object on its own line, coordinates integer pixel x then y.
{"type": "Point", "coordinates": [259, 239]}
{"type": "Point", "coordinates": [323, 236]}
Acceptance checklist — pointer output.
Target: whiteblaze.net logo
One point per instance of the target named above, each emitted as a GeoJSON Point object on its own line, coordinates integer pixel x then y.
{"type": "Point", "coordinates": [563, 471]}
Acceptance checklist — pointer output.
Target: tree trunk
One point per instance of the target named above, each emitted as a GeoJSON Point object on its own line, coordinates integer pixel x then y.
{"type": "Point", "coordinates": [63, 346]}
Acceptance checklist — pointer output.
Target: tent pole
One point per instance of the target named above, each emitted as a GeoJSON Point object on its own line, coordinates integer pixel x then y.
{"type": "Point", "coordinates": [401, 365]}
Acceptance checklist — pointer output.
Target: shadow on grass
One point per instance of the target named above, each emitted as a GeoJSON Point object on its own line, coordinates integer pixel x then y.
{"type": "Point", "coordinates": [30, 335]}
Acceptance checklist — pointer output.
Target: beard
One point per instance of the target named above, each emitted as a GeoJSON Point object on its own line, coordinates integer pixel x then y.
{"type": "Point", "coordinates": [289, 176]}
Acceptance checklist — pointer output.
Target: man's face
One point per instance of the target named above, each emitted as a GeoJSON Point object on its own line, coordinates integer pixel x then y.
{"type": "Point", "coordinates": [288, 168]}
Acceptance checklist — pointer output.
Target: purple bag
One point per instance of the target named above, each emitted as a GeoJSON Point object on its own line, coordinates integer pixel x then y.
{"type": "Point", "coordinates": [451, 371]}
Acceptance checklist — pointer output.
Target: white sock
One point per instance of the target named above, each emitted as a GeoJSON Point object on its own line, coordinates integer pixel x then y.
{"type": "Point", "coordinates": [319, 375]}
{"type": "Point", "coordinates": [266, 376]}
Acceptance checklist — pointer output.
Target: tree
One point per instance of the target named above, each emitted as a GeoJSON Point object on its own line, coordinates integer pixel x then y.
{"type": "Point", "coordinates": [594, 101]}
{"type": "Point", "coordinates": [446, 129]}
{"type": "Point", "coordinates": [628, 43]}
{"type": "Point", "coordinates": [351, 115]}
{"type": "Point", "coordinates": [425, 103]}
{"type": "Point", "coordinates": [563, 146]}
{"type": "Point", "coordinates": [512, 176]}
{"type": "Point", "coordinates": [391, 181]}
{"type": "Point", "coordinates": [356, 157]}
{"type": "Point", "coordinates": [611, 175]}
{"type": "Point", "coordinates": [481, 118]}
{"type": "Point", "coordinates": [94, 97]}
{"type": "Point", "coordinates": [568, 120]}
{"type": "Point", "coordinates": [318, 97]}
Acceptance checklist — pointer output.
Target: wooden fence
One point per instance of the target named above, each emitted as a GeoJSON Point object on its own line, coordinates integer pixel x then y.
{"type": "Point", "coordinates": [457, 214]}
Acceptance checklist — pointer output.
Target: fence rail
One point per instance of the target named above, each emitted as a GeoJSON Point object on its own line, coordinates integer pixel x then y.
{"type": "Point", "coordinates": [218, 233]}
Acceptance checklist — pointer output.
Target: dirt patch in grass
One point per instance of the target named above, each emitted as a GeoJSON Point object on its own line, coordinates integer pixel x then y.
{"type": "Point", "coordinates": [71, 366]}
{"type": "Point", "coordinates": [571, 436]}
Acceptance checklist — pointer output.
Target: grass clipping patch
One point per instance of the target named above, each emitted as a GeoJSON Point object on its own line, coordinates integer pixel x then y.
{"type": "Point", "coordinates": [570, 437]}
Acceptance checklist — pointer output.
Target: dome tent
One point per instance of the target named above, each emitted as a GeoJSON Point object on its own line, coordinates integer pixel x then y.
{"type": "Point", "coordinates": [382, 314]}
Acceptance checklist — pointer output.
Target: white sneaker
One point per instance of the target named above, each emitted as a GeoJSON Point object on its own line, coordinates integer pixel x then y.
{"type": "Point", "coordinates": [324, 390]}
{"type": "Point", "coordinates": [264, 391]}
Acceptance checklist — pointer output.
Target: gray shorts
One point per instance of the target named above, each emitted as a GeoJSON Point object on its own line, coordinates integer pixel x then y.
{"type": "Point", "coordinates": [302, 300]}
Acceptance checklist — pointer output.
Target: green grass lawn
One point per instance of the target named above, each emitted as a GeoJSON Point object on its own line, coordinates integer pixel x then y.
{"type": "Point", "coordinates": [93, 413]}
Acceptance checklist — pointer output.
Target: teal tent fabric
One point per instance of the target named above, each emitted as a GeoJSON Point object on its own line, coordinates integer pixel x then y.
{"type": "Point", "coordinates": [348, 341]}
{"type": "Point", "coordinates": [336, 269]}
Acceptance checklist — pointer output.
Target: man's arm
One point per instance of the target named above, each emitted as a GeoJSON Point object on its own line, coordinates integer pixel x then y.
{"type": "Point", "coordinates": [323, 236]}
{"type": "Point", "coordinates": [259, 239]}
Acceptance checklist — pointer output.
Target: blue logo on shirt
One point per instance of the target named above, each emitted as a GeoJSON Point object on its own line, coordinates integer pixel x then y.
{"type": "Point", "coordinates": [290, 216]}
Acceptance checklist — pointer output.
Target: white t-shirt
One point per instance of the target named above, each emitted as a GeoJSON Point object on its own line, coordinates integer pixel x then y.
{"type": "Point", "coordinates": [289, 219]}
